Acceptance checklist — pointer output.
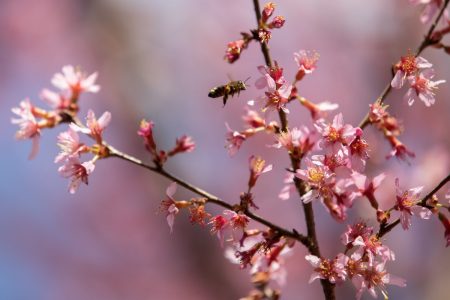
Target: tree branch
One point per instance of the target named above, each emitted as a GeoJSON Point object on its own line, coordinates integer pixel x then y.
{"type": "Point", "coordinates": [301, 186]}
{"type": "Point", "coordinates": [210, 198]}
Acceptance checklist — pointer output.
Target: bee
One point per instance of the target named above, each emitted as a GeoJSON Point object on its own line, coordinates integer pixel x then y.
{"type": "Point", "coordinates": [229, 89]}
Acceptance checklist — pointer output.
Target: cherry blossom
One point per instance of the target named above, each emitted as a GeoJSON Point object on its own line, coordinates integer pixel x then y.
{"type": "Point", "coordinates": [336, 134]}
{"type": "Point", "coordinates": [354, 231]}
{"type": "Point", "coordinates": [234, 50]}
{"type": "Point", "coordinates": [74, 80]}
{"type": "Point", "coordinates": [298, 141]}
{"type": "Point", "coordinates": [422, 88]}
{"type": "Point", "coordinates": [408, 66]}
{"type": "Point", "coordinates": [234, 140]}
{"type": "Point", "coordinates": [70, 145]}
{"type": "Point", "coordinates": [277, 97]}
{"type": "Point", "coordinates": [169, 205]}
{"type": "Point", "coordinates": [367, 187]}
{"type": "Point", "coordinates": [257, 167]}
{"type": "Point", "coordinates": [219, 224]}
{"type": "Point", "coordinates": [372, 247]}
{"type": "Point", "coordinates": [331, 270]}
{"type": "Point", "coordinates": [146, 131]}
{"type": "Point", "coordinates": [306, 62]}
{"type": "Point", "coordinates": [318, 177]}
{"type": "Point", "coordinates": [28, 125]}
{"type": "Point", "coordinates": [183, 144]}
{"type": "Point", "coordinates": [407, 205]}
{"type": "Point", "coordinates": [77, 172]}
{"type": "Point", "coordinates": [55, 100]}
{"type": "Point", "coordinates": [94, 127]}
{"type": "Point", "coordinates": [375, 276]}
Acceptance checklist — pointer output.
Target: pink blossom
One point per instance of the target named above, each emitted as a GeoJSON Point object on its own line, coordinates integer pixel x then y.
{"type": "Point", "coordinates": [298, 141]}
{"type": "Point", "coordinates": [55, 100]}
{"type": "Point", "coordinates": [277, 22]}
{"type": "Point", "coordinates": [69, 143]}
{"type": "Point", "coordinates": [320, 110]}
{"type": "Point", "coordinates": [253, 119]}
{"type": "Point", "coordinates": [377, 113]}
{"type": "Point", "coordinates": [257, 167]}
{"type": "Point", "coordinates": [359, 153]}
{"type": "Point", "coordinates": [407, 205]}
{"type": "Point", "coordinates": [306, 61]}
{"type": "Point", "coordinates": [371, 246]}
{"type": "Point", "coordinates": [146, 131]}
{"type": "Point", "coordinates": [234, 50]}
{"type": "Point", "coordinates": [274, 73]}
{"type": "Point", "coordinates": [408, 66]}
{"type": "Point", "coordinates": [339, 199]}
{"type": "Point", "coordinates": [337, 134]}
{"type": "Point", "coordinates": [236, 220]}
{"type": "Point", "coordinates": [234, 140]}
{"type": "Point", "coordinates": [399, 150]}
{"type": "Point", "coordinates": [183, 144]}
{"type": "Point", "coordinates": [333, 161]}
{"type": "Point", "coordinates": [375, 276]}
{"type": "Point", "coordinates": [277, 97]}
{"type": "Point", "coordinates": [268, 10]}
{"type": "Point", "coordinates": [77, 171]}
{"type": "Point", "coordinates": [219, 224]}
{"type": "Point", "coordinates": [331, 270]}
{"type": "Point", "coordinates": [94, 127]}
{"type": "Point", "coordinates": [422, 88]}
{"type": "Point", "coordinates": [28, 126]}
{"type": "Point", "coordinates": [318, 177]}
{"type": "Point", "coordinates": [354, 231]}
{"type": "Point", "coordinates": [169, 205]}
{"type": "Point", "coordinates": [367, 187]}
{"type": "Point", "coordinates": [74, 80]}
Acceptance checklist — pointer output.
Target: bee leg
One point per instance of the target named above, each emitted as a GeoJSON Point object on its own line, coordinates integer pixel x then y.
{"type": "Point", "coordinates": [225, 98]}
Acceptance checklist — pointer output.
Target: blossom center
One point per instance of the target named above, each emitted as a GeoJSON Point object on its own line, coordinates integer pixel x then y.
{"type": "Point", "coordinates": [408, 64]}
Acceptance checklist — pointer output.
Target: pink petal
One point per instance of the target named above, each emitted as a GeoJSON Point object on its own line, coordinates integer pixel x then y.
{"type": "Point", "coordinates": [398, 80]}
{"type": "Point", "coordinates": [104, 120]}
{"type": "Point", "coordinates": [34, 147]}
{"type": "Point", "coordinates": [171, 189]}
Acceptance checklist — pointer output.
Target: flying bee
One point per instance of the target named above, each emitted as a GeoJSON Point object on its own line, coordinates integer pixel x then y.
{"type": "Point", "coordinates": [229, 89]}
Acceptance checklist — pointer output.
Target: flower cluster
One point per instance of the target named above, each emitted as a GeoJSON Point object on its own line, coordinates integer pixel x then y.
{"type": "Point", "coordinates": [366, 267]}
{"type": "Point", "coordinates": [32, 119]}
{"type": "Point", "coordinates": [421, 87]}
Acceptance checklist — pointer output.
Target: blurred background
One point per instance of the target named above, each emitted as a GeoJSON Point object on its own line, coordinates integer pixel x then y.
{"type": "Point", "coordinates": [158, 60]}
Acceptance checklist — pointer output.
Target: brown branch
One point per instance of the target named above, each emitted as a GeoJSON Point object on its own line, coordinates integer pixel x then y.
{"type": "Point", "coordinates": [427, 41]}
{"type": "Point", "coordinates": [385, 228]}
{"type": "Point", "coordinates": [210, 198]}
{"type": "Point", "coordinates": [301, 186]}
